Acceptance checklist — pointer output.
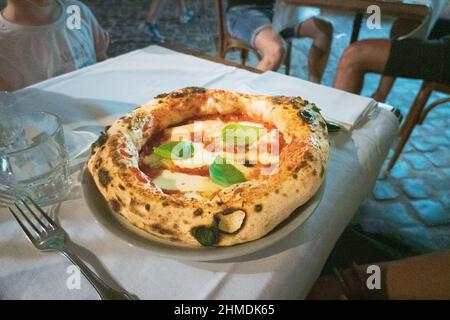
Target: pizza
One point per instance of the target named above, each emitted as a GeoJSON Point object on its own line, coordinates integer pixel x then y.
{"type": "Point", "coordinates": [202, 167]}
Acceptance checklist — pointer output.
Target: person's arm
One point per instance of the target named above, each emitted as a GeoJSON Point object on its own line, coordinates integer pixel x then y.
{"type": "Point", "coordinates": [422, 277]}
{"type": "Point", "coordinates": [4, 86]}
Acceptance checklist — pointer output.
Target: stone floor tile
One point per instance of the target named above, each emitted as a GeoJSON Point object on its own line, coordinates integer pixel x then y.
{"type": "Point", "coordinates": [415, 188]}
{"type": "Point", "coordinates": [400, 170]}
{"type": "Point", "coordinates": [445, 199]}
{"type": "Point", "coordinates": [384, 190]}
{"type": "Point", "coordinates": [440, 157]}
{"type": "Point", "coordinates": [397, 214]}
{"type": "Point", "coordinates": [418, 161]}
{"type": "Point", "coordinates": [436, 179]}
{"type": "Point", "coordinates": [421, 145]}
{"type": "Point", "coordinates": [431, 212]}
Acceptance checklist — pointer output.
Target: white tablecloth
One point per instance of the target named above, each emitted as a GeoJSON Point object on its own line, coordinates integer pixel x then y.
{"type": "Point", "coordinates": [93, 97]}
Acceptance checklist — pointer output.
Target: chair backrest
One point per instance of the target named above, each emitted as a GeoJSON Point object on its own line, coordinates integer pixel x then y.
{"type": "Point", "coordinates": [220, 24]}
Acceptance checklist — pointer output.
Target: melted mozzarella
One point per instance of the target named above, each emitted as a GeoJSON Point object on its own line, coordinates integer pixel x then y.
{"type": "Point", "coordinates": [184, 182]}
{"type": "Point", "coordinates": [205, 156]}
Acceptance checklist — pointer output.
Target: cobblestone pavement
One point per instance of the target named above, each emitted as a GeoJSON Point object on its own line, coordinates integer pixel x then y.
{"type": "Point", "coordinates": [410, 207]}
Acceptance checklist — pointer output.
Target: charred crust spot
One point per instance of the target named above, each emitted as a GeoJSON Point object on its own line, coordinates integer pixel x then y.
{"type": "Point", "coordinates": [175, 226]}
{"type": "Point", "coordinates": [323, 124]}
{"type": "Point", "coordinates": [99, 142]}
{"type": "Point", "coordinates": [301, 166]}
{"type": "Point", "coordinates": [308, 156]}
{"type": "Point", "coordinates": [107, 128]}
{"type": "Point", "coordinates": [195, 89]}
{"type": "Point", "coordinates": [161, 96]}
{"type": "Point", "coordinates": [147, 207]}
{"type": "Point", "coordinates": [165, 203]}
{"type": "Point", "coordinates": [315, 108]}
{"type": "Point", "coordinates": [161, 230]}
{"type": "Point", "coordinates": [278, 99]}
{"type": "Point", "coordinates": [121, 187]}
{"type": "Point", "coordinates": [228, 211]}
{"type": "Point", "coordinates": [322, 171]}
{"type": "Point", "coordinates": [306, 116]}
{"type": "Point", "coordinates": [277, 191]}
{"type": "Point", "coordinates": [258, 207]}
{"type": "Point", "coordinates": [98, 163]}
{"type": "Point", "coordinates": [198, 212]}
{"type": "Point", "coordinates": [314, 172]}
{"type": "Point", "coordinates": [297, 102]}
{"type": "Point", "coordinates": [115, 205]}
{"type": "Point", "coordinates": [103, 177]}
{"type": "Point", "coordinates": [174, 239]}
{"type": "Point", "coordinates": [248, 164]}
{"type": "Point", "coordinates": [119, 199]}
{"type": "Point", "coordinates": [178, 94]}
{"type": "Point", "coordinates": [295, 176]}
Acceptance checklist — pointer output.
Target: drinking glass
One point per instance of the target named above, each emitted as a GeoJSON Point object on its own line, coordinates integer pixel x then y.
{"type": "Point", "coordinates": [33, 158]}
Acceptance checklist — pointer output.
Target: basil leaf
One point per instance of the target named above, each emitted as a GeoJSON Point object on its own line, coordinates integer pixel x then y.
{"type": "Point", "coordinates": [240, 134]}
{"type": "Point", "coordinates": [225, 174]}
{"type": "Point", "coordinates": [175, 150]}
{"type": "Point", "coordinates": [206, 236]}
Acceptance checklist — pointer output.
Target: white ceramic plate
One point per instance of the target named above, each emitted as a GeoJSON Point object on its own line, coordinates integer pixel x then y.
{"type": "Point", "coordinates": [114, 223]}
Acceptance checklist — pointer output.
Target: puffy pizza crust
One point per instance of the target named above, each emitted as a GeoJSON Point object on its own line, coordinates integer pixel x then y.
{"type": "Point", "coordinates": [239, 213]}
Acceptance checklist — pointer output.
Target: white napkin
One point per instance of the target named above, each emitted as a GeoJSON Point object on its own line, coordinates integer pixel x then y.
{"type": "Point", "coordinates": [346, 108]}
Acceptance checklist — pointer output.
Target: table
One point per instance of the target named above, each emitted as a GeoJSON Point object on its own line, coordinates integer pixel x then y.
{"type": "Point", "coordinates": [89, 99]}
{"type": "Point", "coordinates": [407, 9]}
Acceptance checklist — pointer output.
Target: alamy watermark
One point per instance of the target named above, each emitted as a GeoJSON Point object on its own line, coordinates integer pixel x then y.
{"type": "Point", "coordinates": [373, 281]}
{"type": "Point", "coordinates": [73, 21]}
{"type": "Point", "coordinates": [73, 281]}
{"type": "Point", "coordinates": [374, 18]}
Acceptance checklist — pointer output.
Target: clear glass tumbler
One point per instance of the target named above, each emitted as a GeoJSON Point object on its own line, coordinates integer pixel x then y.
{"type": "Point", "coordinates": [33, 160]}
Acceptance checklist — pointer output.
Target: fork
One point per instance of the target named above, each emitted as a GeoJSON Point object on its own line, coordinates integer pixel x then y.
{"type": "Point", "coordinates": [47, 236]}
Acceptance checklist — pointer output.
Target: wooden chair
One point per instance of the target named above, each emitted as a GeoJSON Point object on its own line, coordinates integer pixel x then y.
{"type": "Point", "coordinates": [226, 42]}
{"type": "Point", "coordinates": [418, 113]}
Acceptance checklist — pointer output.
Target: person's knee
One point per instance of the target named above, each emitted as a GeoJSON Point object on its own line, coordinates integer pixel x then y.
{"type": "Point", "coordinates": [352, 58]}
{"type": "Point", "coordinates": [274, 53]}
{"type": "Point", "coordinates": [323, 33]}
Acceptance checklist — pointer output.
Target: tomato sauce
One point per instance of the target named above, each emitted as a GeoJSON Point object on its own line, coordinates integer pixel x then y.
{"type": "Point", "coordinates": [210, 144]}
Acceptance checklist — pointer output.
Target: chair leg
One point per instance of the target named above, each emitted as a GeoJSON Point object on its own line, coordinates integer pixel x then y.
{"type": "Point", "coordinates": [416, 108]}
{"type": "Point", "coordinates": [431, 107]}
{"type": "Point", "coordinates": [403, 140]}
{"type": "Point", "coordinates": [287, 59]}
{"type": "Point", "coordinates": [244, 56]}
{"type": "Point", "coordinates": [410, 122]}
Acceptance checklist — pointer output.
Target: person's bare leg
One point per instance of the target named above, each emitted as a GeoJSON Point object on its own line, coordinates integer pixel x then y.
{"type": "Point", "coordinates": [271, 47]}
{"type": "Point", "coordinates": [358, 59]}
{"type": "Point", "coordinates": [384, 88]}
{"type": "Point", "coordinates": [421, 277]}
{"type": "Point", "coordinates": [321, 31]}
{"type": "Point", "coordinates": [153, 12]}
{"type": "Point", "coordinates": [399, 28]}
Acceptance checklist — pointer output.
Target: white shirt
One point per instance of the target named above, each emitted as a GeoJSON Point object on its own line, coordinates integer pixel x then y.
{"type": "Point", "coordinates": [29, 54]}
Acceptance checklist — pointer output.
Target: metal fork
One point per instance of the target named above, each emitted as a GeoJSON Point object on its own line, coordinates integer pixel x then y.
{"type": "Point", "coordinates": [48, 236]}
